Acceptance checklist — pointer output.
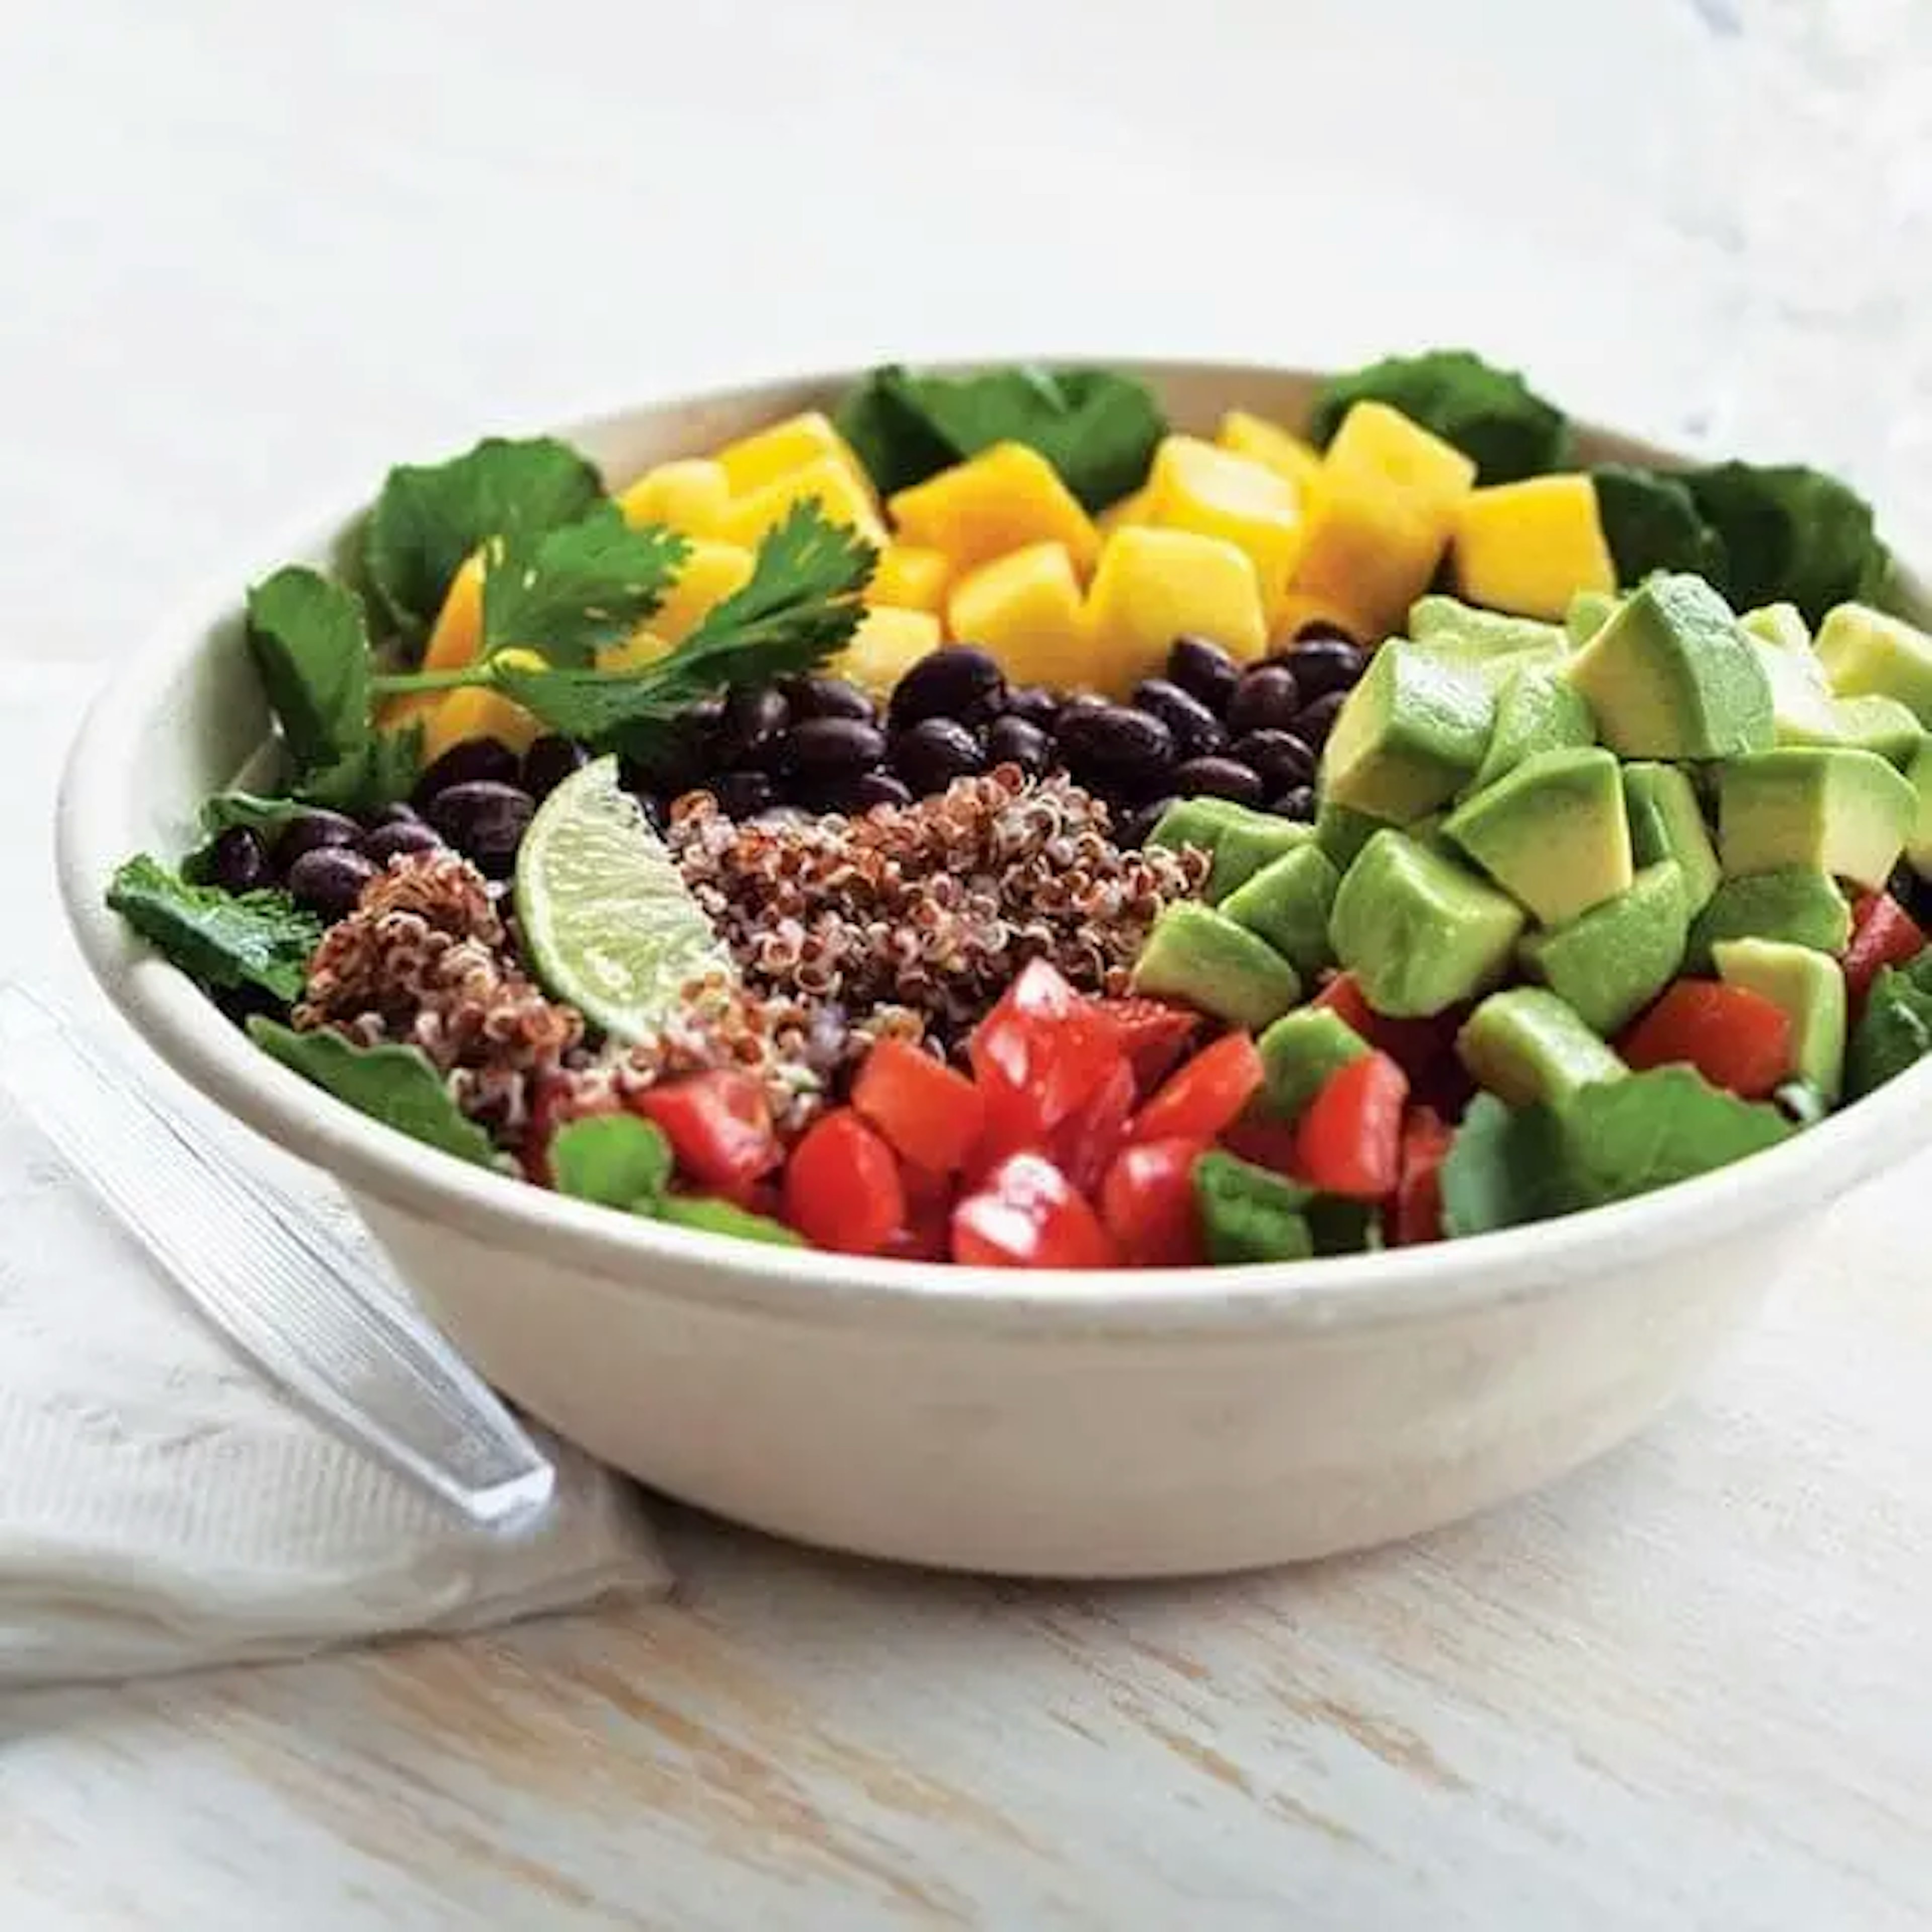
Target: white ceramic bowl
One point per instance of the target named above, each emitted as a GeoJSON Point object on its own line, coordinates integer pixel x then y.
{"type": "Point", "coordinates": [1111, 1424]}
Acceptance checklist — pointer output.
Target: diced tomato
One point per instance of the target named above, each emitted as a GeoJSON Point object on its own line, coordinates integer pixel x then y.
{"type": "Point", "coordinates": [1155, 1035]}
{"type": "Point", "coordinates": [925, 1233]}
{"type": "Point", "coordinates": [718, 1125]}
{"type": "Point", "coordinates": [1348, 1140]}
{"type": "Point", "coordinates": [1883, 934]}
{"type": "Point", "coordinates": [1082, 1147]}
{"type": "Point", "coordinates": [931, 1115]}
{"type": "Point", "coordinates": [1416, 1045]}
{"type": "Point", "coordinates": [1734, 1038]}
{"type": "Point", "coordinates": [841, 1186]}
{"type": "Point", "coordinates": [921, 1187]}
{"type": "Point", "coordinates": [1258, 1137]}
{"type": "Point", "coordinates": [1207, 1096]}
{"type": "Point", "coordinates": [1029, 1215]}
{"type": "Point", "coordinates": [1147, 1203]}
{"type": "Point", "coordinates": [1040, 1052]}
{"type": "Point", "coordinates": [1418, 1187]}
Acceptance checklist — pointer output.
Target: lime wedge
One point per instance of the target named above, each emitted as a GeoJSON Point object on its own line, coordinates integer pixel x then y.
{"type": "Point", "coordinates": [607, 922]}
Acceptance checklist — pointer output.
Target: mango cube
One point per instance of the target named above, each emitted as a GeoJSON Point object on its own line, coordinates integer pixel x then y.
{"type": "Point", "coordinates": [1268, 443]}
{"type": "Point", "coordinates": [1376, 443]}
{"type": "Point", "coordinates": [887, 643]}
{"type": "Point", "coordinates": [691, 495]}
{"type": "Point", "coordinates": [1128, 509]}
{"type": "Point", "coordinates": [1152, 585]}
{"type": "Point", "coordinates": [457, 635]}
{"type": "Point", "coordinates": [796, 443]}
{"type": "Point", "coordinates": [1194, 486]}
{"type": "Point", "coordinates": [472, 711]}
{"type": "Point", "coordinates": [1003, 499]}
{"type": "Point", "coordinates": [1024, 607]}
{"type": "Point", "coordinates": [1296, 609]}
{"type": "Point", "coordinates": [909, 576]}
{"type": "Point", "coordinates": [842, 497]}
{"type": "Point", "coordinates": [710, 572]}
{"type": "Point", "coordinates": [1529, 547]}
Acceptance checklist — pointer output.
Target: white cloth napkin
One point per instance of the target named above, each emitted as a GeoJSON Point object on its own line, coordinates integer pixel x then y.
{"type": "Point", "coordinates": [162, 1508]}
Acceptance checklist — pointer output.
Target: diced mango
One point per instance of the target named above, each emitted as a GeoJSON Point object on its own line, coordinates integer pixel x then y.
{"type": "Point", "coordinates": [473, 711]}
{"type": "Point", "coordinates": [796, 443]}
{"type": "Point", "coordinates": [1154, 586]}
{"type": "Point", "coordinates": [909, 576]}
{"type": "Point", "coordinates": [692, 496]}
{"type": "Point", "coordinates": [1003, 499]}
{"type": "Point", "coordinates": [841, 497]}
{"type": "Point", "coordinates": [1297, 608]}
{"type": "Point", "coordinates": [457, 636]}
{"type": "Point", "coordinates": [1530, 547]}
{"type": "Point", "coordinates": [1194, 486]}
{"type": "Point", "coordinates": [1266, 443]}
{"type": "Point", "coordinates": [1129, 509]}
{"type": "Point", "coordinates": [888, 643]}
{"type": "Point", "coordinates": [642, 647]}
{"type": "Point", "coordinates": [1024, 607]}
{"type": "Point", "coordinates": [1378, 444]}
{"type": "Point", "coordinates": [710, 571]}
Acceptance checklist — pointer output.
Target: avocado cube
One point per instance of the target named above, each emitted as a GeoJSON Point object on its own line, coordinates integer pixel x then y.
{"type": "Point", "coordinates": [1803, 711]}
{"type": "Point", "coordinates": [1298, 1053]}
{"type": "Point", "coordinates": [1918, 841]}
{"type": "Point", "coordinates": [1409, 734]}
{"type": "Point", "coordinates": [1830, 809]}
{"type": "Point", "coordinates": [1437, 618]}
{"type": "Point", "coordinates": [1419, 933]}
{"type": "Point", "coordinates": [1611, 963]}
{"type": "Point", "coordinates": [1589, 611]}
{"type": "Point", "coordinates": [1868, 652]}
{"type": "Point", "coordinates": [1537, 710]}
{"type": "Point", "coordinates": [1341, 833]}
{"type": "Point", "coordinates": [1780, 624]}
{"type": "Point", "coordinates": [1241, 841]}
{"type": "Point", "coordinates": [1880, 724]}
{"type": "Point", "coordinates": [1525, 1044]}
{"type": "Point", "coordinates": [1196, 955]}
{"type": "Point", "coordinates": [1671, 676]}
{"type": "Point", "coordinates": [1809, 988]}
{"type": "Point", "coordinates": [1799, 905]}
{"type": "Point", "coordinates": [1666, 822]}
{"type": "Point", "coordinates": [1551, 833]}
{"type": "Point", "coordinates": [1287, 903]}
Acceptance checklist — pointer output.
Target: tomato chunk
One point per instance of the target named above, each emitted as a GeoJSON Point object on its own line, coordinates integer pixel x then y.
{"type": "Point", "coordinates": [1028, 1214]}
{"type": "Point", "coordinates": [1147, 1203]}
{"type": "Point", "coordinates": [718, 1125]}
{"type": "Point", "coordinates": [1082, 1146]}
{"type": "Point", "coordinates": [1349, 1140]}
{"type": "Point", "coordinates": [1155, 1035]}
{"type": "Point", "coordinates": [842, 1189]}
{"type": "Point", "coordinates": [1207, 1096]}
{"type": "Point", "coordinates": [931, 1115]}
{"type": "Point", "coordinates": [1415, 1046]}
{"type": "Point", "coordinates": [1418, 1188]}
{"type": "Point", "coordinates": [1040, 1052]}
{"type": "Point", "coordinates": [1259, 1137]}
{"type": "Point", "coordinates": [1883, 934]}
{"type": "Point", "coordinates": [1734, 1038]}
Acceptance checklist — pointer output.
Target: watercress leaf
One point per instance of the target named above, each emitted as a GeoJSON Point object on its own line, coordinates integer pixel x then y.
{"type": "Point", "coordinates": [617, 1160]}
{"type": "Point", "coordinates": [890, 434]}
{"type": "Point", "coordinates": [1250, 1214]}
{"type": "Point", "coordinates": [1491, 415]}
{"type": "Point", "coordinates": [1790, 533]}
{"type": "Point", "coordinates": [311, 651]}
{"type": "Point", "coordinates": [1893, 1033]}
{"type": "Point", "coordinates": [221, 939]}
{"type": "Point", "coordinates": [1652, 522]}
{"type": "Point", "coordinates": [430, 517]}
{"type": "Point", "coordinates": [709, 1215]}
{"type": "Point", "coordinates": [394, 1084]}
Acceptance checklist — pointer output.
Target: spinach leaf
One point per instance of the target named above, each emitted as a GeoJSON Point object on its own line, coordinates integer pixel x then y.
{"type": "Point", "coordinates": [571, 591]}
{"type": "Point", "coordinates": [617, 1160]}
{"type": "Point", "coordinates": [1790, 534]}
{"type": "Point", "coordinates": [1652, 522]}
{"type": "Point", "coordinates": [1506, 1166]}
{"type": "Point", "coordinates": [396, 1085]}
{"type": "Point", "coordinates": [881, 419]}
{"type": "Point", "coordinates": [311, 651]}
{"type": "Point", "coordinates": [222, 939]}
{"type": "Point", "coordinates": [1894, 1032]}
{"type": "Point", "coordinates": [709, 1215]}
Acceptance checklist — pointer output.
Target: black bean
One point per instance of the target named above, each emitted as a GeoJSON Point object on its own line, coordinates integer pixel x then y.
{"type": "Point", "coordinates": [395, 815]}
{"type": "Point", "coordinates": [743, 795]}
{"type": "Point", "coordinates": [1278, 759]}
{"type": "Point", "coordinates": [1197, 732]}
{"type": "Point", "coordinates": [1080, 701]}
{"type": "Point", "coordinates": [485, 821]}
{"type": "Point", "coordinates": [1319, 719]}
{"type": "Point", "coordinates": [821, 697]}
{"type": "Point", "coordinates": [329, 879]}
{"type": "Point", "coordinates": [1131, 828]}
{"type": "Point", "coordinates": [706, 714]}
{"type": "Point", "coordinates": [1215, 777]}
{"type": "Point", "coordinates": [1325, 664]}
{"type": "Point", "coordinates": [833, 747]}
{"type": "Point", "coordinates": [1268, 699]}
{"type": "Point", "coordinates": [958, 681]}
{"type": "Point", "coordinates": [1296, 803]}
{"type": "Point", "coordinates": [239, 861]}
{"type": "Point", "coordinates": [549, 761]}
{"type": "Point", "coordinates": [467, 762]}
{"type": "Point", "coordinates": [754, 714]}
{"type": "Point", "coordinates": [1034, 702]}
{"type": "Point", "coordinates": [309, 831]}
{"type": "Point", "coordinates": [1114, 747]}
{"type": "Point", "coordinates": [387, 842]}
{"type": "Point", "coordinates": [930, 754]}
{"type": "Point", "coordinates": [1015, 741]}
{"type": "Point", "coordinates": [1204, 670]}
{"type": "Point", "coordinates": [679, 761]}
{"type": "Point", "coordinates": [871, 788]}
{"type": "Point", "coordinates": [1324, 628]}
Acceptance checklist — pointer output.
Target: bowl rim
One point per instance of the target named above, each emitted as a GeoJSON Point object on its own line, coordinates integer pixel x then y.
{"type": "Point", "coordinates": [1443, 1280]}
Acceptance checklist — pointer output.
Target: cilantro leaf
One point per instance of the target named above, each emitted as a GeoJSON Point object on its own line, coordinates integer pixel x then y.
{"type": "Point", "coordinates": [1790, 533]}
{"type": "Point", "coordinates": [618, 1159]}
{"type": "Point", "coordinates": [1894, 1032]}
{"type": "Point", "coordinates": [381, 770]}
{"type": "Point", "coordinates": [221, 939]}
{"type": "Point", "coordinates": [1652, 522]}
{"type": "Point", "coordinates": [311, 651]}
{"type": "Point", "coordinates": [430, 517]}
{"type": "Point", "coordinates": [709, 1215]}
{"type": "Point", "coordinates": [570, 591]}
{"type": "Point", "coordinates": [394, 1084]}
{"type": "Point", "coordinates": [1491, 415]}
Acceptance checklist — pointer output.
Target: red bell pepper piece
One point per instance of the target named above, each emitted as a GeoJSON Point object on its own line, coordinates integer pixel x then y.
{"type": "Point", "coordinates": [1155, 1035]}
{"type": "Point", "coordinates": [1207, 1096]}
{"type": "Point", "coordinates": [1147, 1203]}
{"type": "Point", "coordinates": [1040, 1052]}
{"type": "Point", "coordinates": [842, 1189]}
{"type": "Point", "coordinates": [718, 1125]}
{"type": "Point", "coordinates": [1028, 1214]}
{"type": "Point", "coordinates": [1348, 1140]}
{"type": "Point", "coordinates": [931, 1115]}
{"type": "Point", "coordinates": [1084, 1145]}
{"type": "Point", "coordinates": [1418, 1188]}
{"type": "Point", "coordinates": [1883, 934]}
{"type": "Point", "coordinates": [1734, 1038]}
{"type": "Point", "coordinates": [1415, 1045]}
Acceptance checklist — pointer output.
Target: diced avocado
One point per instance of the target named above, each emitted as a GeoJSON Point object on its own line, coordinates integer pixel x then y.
{"type": "Point", "coordinates": [1342, 833]}
{"type": "Point", "coordinates": [1868, 652]}
{"type": "Point", "coordinates": [1827, 809]}
{"type": "Point", "coordinates": [1287, 904]}
{"type": "Point", "coordinates": [1800, 906]}
{"type": "Point", "coordinates": [1614, 961]}
{"type": "Point", "coordinates": [1666, 822]}
{"type": "Point", "coordinates": [1589, 611]}
{"type": "Point", "coordinates": [1782, 625]}
{"type": "Point", "coordinates": [1810, 988]}
{"type": "Point", "coordinates": [1551, 833]}
{"type": "Point", "coordinates": [1242, 841]}
{"type": "Point", "coordinates": [1485, 643]}
{"type": "Point", "coordinates": [1880, 724]}
{"type": "Point", "coordinates": [1918, 841]}
{"type": "Point", "coordinates": [1418, 932]}
{"type": "Point", "coordinates": [1249, 1214]}
{"type": "Point", "coordinates": [1409, 734]}
{"type": "Point", "coordinates": [1803, 711]}
{"type": "Point", "coordinates": [1537, 710]}
{"type": "Point", "coordinates": [1525, 1044]}
{"type": "Point", "coordinates": [1196, 955]}
{"type": "Point", "coordinates": [1671, 676]}
{"type": "Point", "coordinates": [1299, 1052]}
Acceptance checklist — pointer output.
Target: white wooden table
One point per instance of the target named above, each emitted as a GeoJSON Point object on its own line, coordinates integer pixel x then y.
{"type": "Point", "coordinates": [247, 254]}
